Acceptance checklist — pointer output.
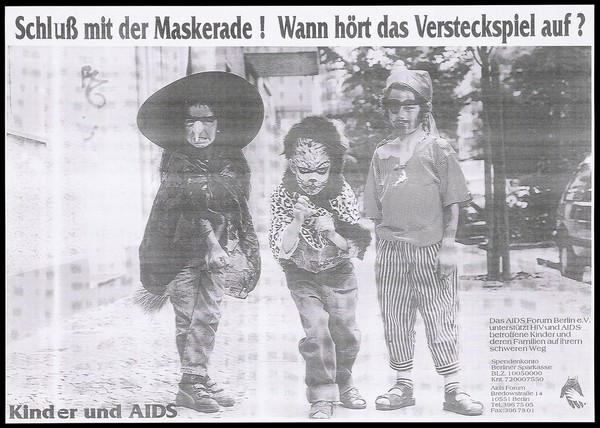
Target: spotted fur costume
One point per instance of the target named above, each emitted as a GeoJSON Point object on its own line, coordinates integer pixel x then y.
{"type": "Point", "coordinates": [338, 201]}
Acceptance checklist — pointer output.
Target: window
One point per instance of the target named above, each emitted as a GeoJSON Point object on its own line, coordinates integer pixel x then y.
{"type": "Point", "coordinates": [76, 285]}
{"type": "Point", "coordinates": [26, 92]}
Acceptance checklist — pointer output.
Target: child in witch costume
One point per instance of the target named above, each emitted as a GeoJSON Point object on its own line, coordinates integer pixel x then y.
{"type": "Point", "coordinates": [314, 233]}
{"type": "Point", "coordinates": [199, 242]}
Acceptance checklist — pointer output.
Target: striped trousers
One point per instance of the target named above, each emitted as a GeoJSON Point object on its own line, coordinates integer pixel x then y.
{"type": "Point", "coordinates": [407, 283]}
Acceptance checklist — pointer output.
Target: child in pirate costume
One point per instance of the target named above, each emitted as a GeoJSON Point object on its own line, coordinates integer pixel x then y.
{"type": "Point", "coordinates": [314, 233]}
{"type": "Point", "coordinates": [413, 192]}
{"type": "Point", "coordinates": [199, 241]}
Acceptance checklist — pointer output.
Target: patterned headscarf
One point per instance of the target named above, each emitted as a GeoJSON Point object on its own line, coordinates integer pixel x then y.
{"type": "Point", "coordinates": [419, 82]}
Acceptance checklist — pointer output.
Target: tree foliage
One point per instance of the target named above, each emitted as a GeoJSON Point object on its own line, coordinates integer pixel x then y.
{"type": "Point", "coordinates": [548, 109]}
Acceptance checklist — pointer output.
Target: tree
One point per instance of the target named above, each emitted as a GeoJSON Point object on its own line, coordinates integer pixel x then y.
{"type": "Point", "coordinates": [496, 211]}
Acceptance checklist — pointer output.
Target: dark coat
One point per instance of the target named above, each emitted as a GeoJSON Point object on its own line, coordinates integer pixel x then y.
{"type": "Point", "coordinates": [198, 194]}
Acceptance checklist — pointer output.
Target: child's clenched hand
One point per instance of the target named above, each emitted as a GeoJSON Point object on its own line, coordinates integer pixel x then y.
{"type": "Point", "coordinates": [302, 210]}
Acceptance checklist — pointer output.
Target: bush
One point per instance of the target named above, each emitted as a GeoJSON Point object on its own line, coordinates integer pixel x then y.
{"type": "Point", "coordinates": [531, 214]}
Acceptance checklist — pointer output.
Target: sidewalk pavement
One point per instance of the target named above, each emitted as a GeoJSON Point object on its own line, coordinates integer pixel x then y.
{"type": "Point", "coordinates": [117, 355]}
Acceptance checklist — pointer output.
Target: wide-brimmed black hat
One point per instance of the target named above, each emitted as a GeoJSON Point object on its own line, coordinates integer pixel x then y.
{"type": "Point", "coordinates": [235, 102]}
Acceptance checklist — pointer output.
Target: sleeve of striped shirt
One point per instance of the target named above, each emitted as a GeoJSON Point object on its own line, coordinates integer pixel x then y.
{"type": "Point", "coordinates": [372, 204]}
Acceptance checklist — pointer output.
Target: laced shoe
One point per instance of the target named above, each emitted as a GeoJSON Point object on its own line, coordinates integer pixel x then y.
{"type": "Point", "coordinates": [195, 396]}
{"type": "Point", "coordinates": [217, 393]}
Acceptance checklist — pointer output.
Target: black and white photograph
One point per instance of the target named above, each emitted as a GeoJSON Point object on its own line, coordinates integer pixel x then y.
{"type": "Point", "coordinates": [287, 214]}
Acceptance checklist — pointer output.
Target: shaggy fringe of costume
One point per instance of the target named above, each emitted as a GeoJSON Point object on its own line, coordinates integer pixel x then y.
{"type": "Point", "coordinates": [150, 303]}
{"type": "Point", "coordinates": [360, 235]}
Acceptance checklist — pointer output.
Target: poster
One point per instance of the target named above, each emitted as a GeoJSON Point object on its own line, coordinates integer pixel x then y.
{"type": "Point", "coordinates": [81, 180]}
